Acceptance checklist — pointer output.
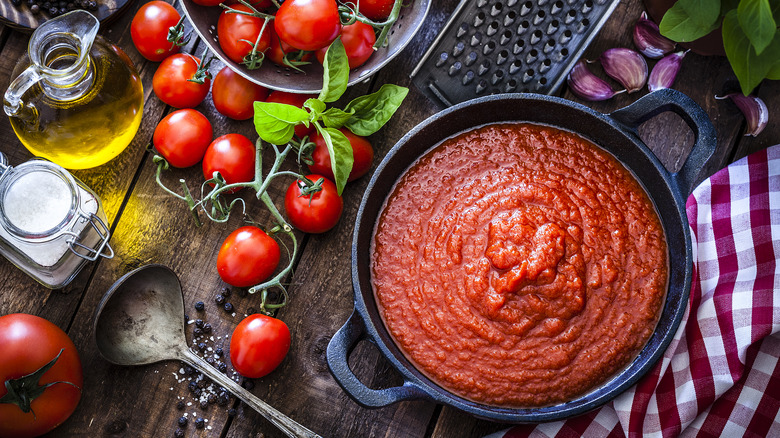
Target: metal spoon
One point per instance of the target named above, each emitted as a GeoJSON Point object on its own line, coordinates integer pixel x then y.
{"type": "Point", "coordinates": [140, 321]}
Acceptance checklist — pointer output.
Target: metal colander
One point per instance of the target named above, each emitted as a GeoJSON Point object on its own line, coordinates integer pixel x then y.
{"type": "Point", "coordinates": [507, 46]}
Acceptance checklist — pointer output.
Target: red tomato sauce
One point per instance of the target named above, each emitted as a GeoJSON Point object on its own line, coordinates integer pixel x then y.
{"type": "Point", "coordinates": [519, 265]}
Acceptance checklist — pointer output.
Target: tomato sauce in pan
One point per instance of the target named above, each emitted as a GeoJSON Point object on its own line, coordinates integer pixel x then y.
{"type": "Point", "coordinates": [519, 265]}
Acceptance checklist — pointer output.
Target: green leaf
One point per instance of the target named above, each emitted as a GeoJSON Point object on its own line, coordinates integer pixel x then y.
{"type": "Point", "coordinates": [336, 75]}
{"type": "Point", "coordinates": [680, 26]}
{"type": "Point", "coordinates": [755, 18]}
{"type": "Point", "coordinates": [703, 12]}
{"type": "Point", "coordinates": [316, 107]}
{"type": "Point", "coordinates": [774, 72]}
{"type": "Point", "coordinates": [341, 158]}
{"type": "Point", "coordinates": [335, 118]}
{"type": "Point", "coordinates": [372, 111]}
{"type": "Point", "coordinates": [275, 122]}
{"type": "Point", "coordinates": [750, 67]}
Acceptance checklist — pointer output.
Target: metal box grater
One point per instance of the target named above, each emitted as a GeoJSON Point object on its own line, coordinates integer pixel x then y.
{"type": "Point", "coordinates": [507, 46]}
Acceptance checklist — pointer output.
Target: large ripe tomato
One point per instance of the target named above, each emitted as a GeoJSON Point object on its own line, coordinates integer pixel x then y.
{"type": "Point", "coordinates": [182, 137]}
{"type": "Point", "coordinates": [233, 156]}
{"type": "Point", "coordinates": [247, 257]}
{"type": "Point", "coordinates": [258, 345]}
{"type": "Point", "coordinates": [376, 10]}
{"type": "Point", "coordinates": [28, 344]}
{"type": "Point", "coordinates": [362, 154]}
{"type": "Point", "coordinates": [315, 213]}
{"type": "Point", "coordinates": [308, 24]}
{"type": "Point", "coordinates": [237, 33]}
{"type": "Point", "coordinates": [234, 95]}
{"type": "Point", "coordinates": [358, 39]}
{"type": "Point", "coordinates": [293, 99]}
{"type": "Point", "coordinates": [173, 81]}
{"type": "Point", "coordinates": [149, 30]}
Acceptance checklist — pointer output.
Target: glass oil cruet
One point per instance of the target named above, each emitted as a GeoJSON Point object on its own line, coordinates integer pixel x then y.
{"type": "Point", "coordinates": [74, 99]}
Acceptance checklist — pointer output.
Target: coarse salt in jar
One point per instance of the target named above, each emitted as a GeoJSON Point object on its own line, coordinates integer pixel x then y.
{"type": "Point", "coordinates": [51, 224]}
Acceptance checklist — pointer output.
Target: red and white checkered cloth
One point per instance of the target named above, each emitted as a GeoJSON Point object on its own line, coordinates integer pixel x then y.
{"type": "Point", "coordinates": [720, 377]}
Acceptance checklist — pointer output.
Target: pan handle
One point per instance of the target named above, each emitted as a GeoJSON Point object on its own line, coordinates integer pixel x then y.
{"type": "Point", "coordinates": [340, 346]}
{"type": "Point", "coordinates": [657, 102]}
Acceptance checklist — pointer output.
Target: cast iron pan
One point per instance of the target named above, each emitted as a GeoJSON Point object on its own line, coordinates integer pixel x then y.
{"type": "Point", "coordinates": [617, 133]}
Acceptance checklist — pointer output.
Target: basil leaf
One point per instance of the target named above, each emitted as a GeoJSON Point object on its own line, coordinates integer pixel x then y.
{"type": "Point", "coordinates": [315, 106]}
{"type": "Point", "coordinates": [750, 67]}
{"type": "Point", "coordinates": [341, 158]}
{"type": "Point", "coordinates": [755, 17]}
{"type": "Point", "coordinates": [335, 118]}
{"type": "Point", "coordinates": [774, 72]}
{"type": "Point", "coordinates": [275, 122]}
{"type": "Point", "coordinates": [372, 111]}
{"type": "Point", "coordinates": [336, 75]}
{"type": "Point", "coordinates": [678, 25]}
{"type": "Point", "coordinates": [702, 12]}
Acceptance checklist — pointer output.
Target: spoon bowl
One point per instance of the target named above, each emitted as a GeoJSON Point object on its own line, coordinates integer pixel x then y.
{"type": "Point", "coordinates": [140, 320]}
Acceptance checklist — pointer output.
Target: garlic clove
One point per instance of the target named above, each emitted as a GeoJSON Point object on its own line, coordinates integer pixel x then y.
{"type": "Point", "coordinates": [648, 38]}
{"type": "Point", "coordinates": [588, 86]}
{"type": "Point", "coordinates": [754, 109]}
{"type": "Point", "coordinates": [665, 71]}
{"type": "Point", "coordinates": [625, 66]}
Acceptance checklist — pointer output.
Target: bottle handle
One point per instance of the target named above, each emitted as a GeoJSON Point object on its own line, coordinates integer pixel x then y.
{"type": "Point", "coordinates": [12, 101]}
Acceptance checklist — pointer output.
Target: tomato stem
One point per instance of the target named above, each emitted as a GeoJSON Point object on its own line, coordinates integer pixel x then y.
{"type": "Point", "coordinates": [162, 164]}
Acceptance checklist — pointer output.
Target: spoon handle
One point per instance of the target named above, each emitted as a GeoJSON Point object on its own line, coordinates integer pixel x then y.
{"type": "Point", "coordinates": [283, 422]}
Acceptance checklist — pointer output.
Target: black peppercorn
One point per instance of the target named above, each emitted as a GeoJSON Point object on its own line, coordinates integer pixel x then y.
{"type": "Point", "coordinates": [206, 328]}
{"type": "Point", "coordinates": [224, 398]}
{"type": "Point", "coordinates": [197, 331]}
{"type": "Point", "coordinates": [232, 412]}
{"type": "Point", "coordinates": [225, 292]}
{"type": "Point", "coordinates": [178, 433]}
{"type": "Point", "coordinates": [222, 367]}
{"type": "Point", "coordinates": [35, 9]}
{"type": "Point", "coordinates": [219, 299]}
{"type": "Point", "coordinates": [199, 323]}
{"type": "Point", "coordinates": [219, 351]}
{"type": "Point", "coordinates": [248, 384]}
{"type": "Point", "coordinates": [182, 421]}
{"type": "Point", "coordinates": [197, 392]}
{"type": "Point", "coordinates": [212, 399]}
{"type": "Point", "coordinates": [199, 306]}
{"type": "Point", "coordinates": [192, 387]}
{"type": "Point", "coordinates": [210, 360]}
{"type": "Point", "coordinates": [201, 346]}
{"type": "Point", "coordinates": [200, 423]}
{"type": "Point", "coordinates": [204, 404]}
{"type": "Point", "coordinates": [180, 405]}
{"type": "Point", "coordinates": [228, 307]}
{"type": "Point", "coordinates": [189, 370]}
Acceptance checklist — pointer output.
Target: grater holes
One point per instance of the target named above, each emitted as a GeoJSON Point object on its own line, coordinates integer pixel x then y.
{"type": "Point", "coordinates": [467, 78]}
{"type": "Point", "coordinates": [553, 27]}
{"type": "Point", "coordinates": [492, 28]}
{"type": "Point", "coordinates": [518, 47]}
{"type": "Point", "coordinates": [546, 64]}
{"type": "Point", "coordinates": [536, 36]}
{"type": "Point", "coordinates": [543, 81]}
{"type": "Point", "coordinates": [476, 39]}
{"type": "Point", "coordinates": [481, 86]}
{"type": "Point", "coordinates": [481, 3]}
{"type": "Point", "coordinates": [556, 7]}
{"type": "Point", "coordinates": [511, 3]}
{"type": "Point", "coordinates": [538, 18]}
{"type": "Point", "coordinates": [455, 68]}
{"type": "Point", "coordinates": [524, 25]}
{"type": "Point", "coordinates": [526, 8]}
{"type": "Point", "coordinates": [549, 46]}
{"type": "Point", "coordinates": [583, 25]}
{"type": "Point", "coordinates": [529, 74]}
{"type": "Point", "coordinates": [442, 59]}
{"type": "Point", "coordinates": [497, 77]}
{"type": "Point", "coordinates": [587, 6]}
{"type": "Point", "coordinates": [471, 58]}
{"type": "Point", "coordinates": [565, 36]}
{"type": "Point", "coordinates": [515, 66]}
{"type": "Point", "coordinates": [483, 67]}
{"type": "Point", "coordinates": [532, 56]}
{"type": "Point", "coordinates": [570, 16]}
{"type": "Point", "coordinates": [489, 47]}
{"type": "Point", "coordinates": [462, 30]}
{"type": "Point", "coordinates": [496, 9]}
{"type": "Point", "coordinates": [511, 86]}
{"type": "Point", "coordinates": [479, 19]}
{"type": "Point", "coordinates": [458, 49]}
{"type": "Point", "coordinates": [505, 37]}
{"type": "Point", "coordinates": [510, 18]}
{"type": "Point", "coordinates": [502, 57]}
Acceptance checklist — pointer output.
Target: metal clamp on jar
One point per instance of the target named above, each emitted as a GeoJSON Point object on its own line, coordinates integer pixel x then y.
{"type": "Point", "coordinates": [51, 224]}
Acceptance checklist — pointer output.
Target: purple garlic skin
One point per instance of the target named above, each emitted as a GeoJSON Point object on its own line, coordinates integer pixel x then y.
{"type": "Point", "coordinates": [648, 39]}
{"type": "Point", "coordinates": [665, 71]}
{"type": "Point", "coordinates": [754, 109]}
{"type": "Point", "coordinates": [588, 86]}
{"type": "Point", "coordinates": [625, 66]}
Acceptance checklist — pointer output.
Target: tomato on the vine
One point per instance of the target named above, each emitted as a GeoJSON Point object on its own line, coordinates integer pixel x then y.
{"type": "Point", "coordinates": [29, 343]}
{"type": "Point", "coordinates": [376, 10]}
{"type": "Point", "coordinates": [182, 137]}
{"type": "Point", "coordinates": [233, 155]}
{"type": "Point", "coordinates": [308, 24]}
{"type": "Point", "coordinates": [180, 82]}
{"type": "Point", "coordinates": [278, 49]}
{"type": "Point", "coordinates": [258, 345]}
{"type": "Point", "coordinates": [247, 257]}
{"type": "Point", "coordinates": [313, 213]}
{"type": "Point", "coordinates": [362, 155]}
{"type": "Point", "coordinates": [358, 39]}
{"type": "Point", "coordinates": [234, 95]}
{"type": "Point", "coordinates": [149, 30]}
{"type": "Point", "coordinates": [238, 33]}
{"type": "Point", "coordinates": [293, 99]}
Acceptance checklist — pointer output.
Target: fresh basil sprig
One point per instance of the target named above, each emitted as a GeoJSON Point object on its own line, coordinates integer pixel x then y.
{"type": "Point", "coordinates": [275, 122]}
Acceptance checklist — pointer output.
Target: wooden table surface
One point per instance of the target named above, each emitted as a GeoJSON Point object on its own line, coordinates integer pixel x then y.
{"type": "Point", "coordinates": [149, 226]}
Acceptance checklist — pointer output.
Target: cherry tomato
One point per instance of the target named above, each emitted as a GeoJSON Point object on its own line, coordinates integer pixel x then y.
{"type": "Point", "coordinates": [172, 81]}
{"type": "Point", "coordinates": [182, 137]}
{"type": "Point", "coordinates": [296, 100]}
{"type": "Point", "coordinates": [260, 5]}
{"type": "Point", "coordinates": [247, 257]}
{"type": "Point", "coordinates": [358, 39]}
{"type": "Point", "coordinates": [308, 24]}
{"type": "Point", "coordinates": [315, 213]}
{"type": "Point", "coordinates": [149, 30]}
{"type": "Point", "coordinates": [28, 344]}
{"type": "Point", "coordinates": [237, 33]}
{"type": "Point", "coordinates": [362, 154]}
{"type": "Point", "coordinates": [233, 155]}
{"type": "Point", "coordinates": [376, 10]}
{"type": "Point", "coordinates": [234, 95]}
{"type": "Point", "coordinates": [258, 345]}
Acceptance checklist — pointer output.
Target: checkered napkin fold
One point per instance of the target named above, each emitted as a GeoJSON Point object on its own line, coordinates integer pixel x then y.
{"type": "Point", "coordinates": [720, 376]}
